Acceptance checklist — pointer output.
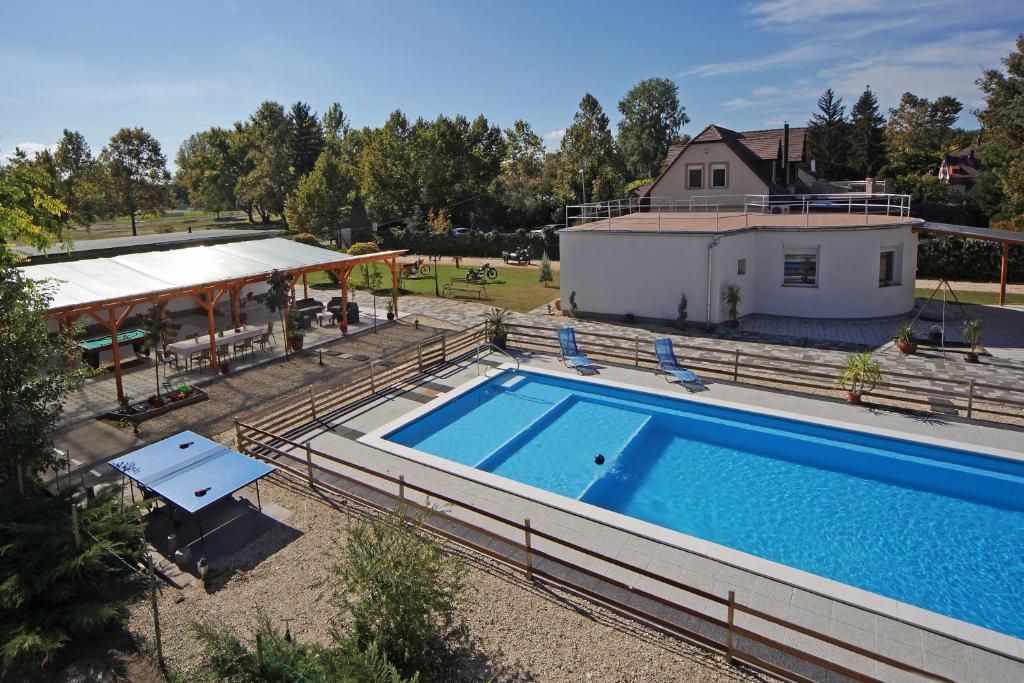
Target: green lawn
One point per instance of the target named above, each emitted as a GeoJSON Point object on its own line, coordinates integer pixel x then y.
{"type": "Point", "coordinates": [172, 221]}
{"type": "Point", "coordinates": [970, 297]}
{"type": "Point", "coordinates": [516, 287]}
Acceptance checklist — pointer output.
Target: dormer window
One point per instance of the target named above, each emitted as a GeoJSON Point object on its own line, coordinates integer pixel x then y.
{"type": "Point", "coordinates": [719, 176]}
{"type": "Point", "coordinates": [695, 176]}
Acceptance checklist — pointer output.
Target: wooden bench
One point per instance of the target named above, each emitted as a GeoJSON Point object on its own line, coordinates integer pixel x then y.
{"type": "Point", "coordinates": [461, 284]}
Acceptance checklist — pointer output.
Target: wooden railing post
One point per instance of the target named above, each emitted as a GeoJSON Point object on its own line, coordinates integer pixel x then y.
{"type": "Point", "coordinates": [636, 350]}
{"type": "Point", "coordinates": [736, 366]}
{"type": "Point", "coordinates": [970, 396]}
{"type": "Point", "coordinates": [419, 357]}
{"type": "Point", "coordinates": [373, 385]}
{"type": "Point", "coordinates": [312, 403]}
{"type": "Point", "coordinates": [444, 348]}
{"type": "Point", "coordinates": [309, 463]}
{"type": "Point", "coordinates": [529, 554]}
{"type": "Point", "coordinates": [238, 438]}
{"type": "Point", "coordinates": [728, 632]}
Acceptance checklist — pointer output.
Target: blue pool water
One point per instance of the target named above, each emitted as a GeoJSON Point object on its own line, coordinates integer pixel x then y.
{"type": "Point", "coordinates": [939, 528]}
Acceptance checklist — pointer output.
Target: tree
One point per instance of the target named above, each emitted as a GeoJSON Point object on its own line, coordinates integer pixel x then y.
{"type": "Point", "coordinates": [79, 178]}
{"type": "Point", "coordinates": [208, 170]}
{"type": "Point", "coordinates": [397, 587]}
{"type": "Point", "coordinates": [323, 199]}
{"type": "Point", "coordinates": [827, 135]}
{"type": "Point", "coordinates": [545, 276]}
{"type": "Point", "coordinates": [306, 139]}
{"type": "Point", "coordinates": [651, 119]}
{"type": "Point", "coordinates": [440, 222]}
{"type": "Point", "coordinates": [29, 211]}
{"type": "Point", "coordinates": [57, 586]}
{"type": "Point", "coordinates": [268, 178]}
{"type": "Point", "coordinates": [334, 124]}
{"type": "Point", "coordinates": [138, 173]}
{"type": "Point", "coordinates": [520, 182]}
{"type": "Point", "coordinates": [919, 131]}
{"type": "Point", "coordinates": [155, 325]}
{"type": "Point", "coordinates": [587, 159]}
{"type": "Point", "coordinates": [1002, 118]}
{"type": "Point", "coordinates": [388, 178]}
{"type": "Point", "coordinates": [36, 373]}
{"type": "Point", "coordinates": [866, 135]}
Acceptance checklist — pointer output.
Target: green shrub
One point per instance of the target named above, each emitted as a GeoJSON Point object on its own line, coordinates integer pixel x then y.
{"type": "Point", "coordinates": [957, 258]}
{"type": "Point", "coordinates": [397, 587]}
{"type": "Point", "coordinates": [307, 238]}
{"type": "Point", "coordinates": [363, 248]}
{"type": "Point", "coordinates": [53, 592]}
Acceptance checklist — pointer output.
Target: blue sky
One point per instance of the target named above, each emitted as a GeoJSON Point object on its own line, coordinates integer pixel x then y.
{"type": "Point", "coordinates": [176, 68]}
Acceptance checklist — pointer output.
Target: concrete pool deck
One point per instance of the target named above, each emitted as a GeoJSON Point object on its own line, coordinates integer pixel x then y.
{"type": "Point", "coordinates": [993, 657]}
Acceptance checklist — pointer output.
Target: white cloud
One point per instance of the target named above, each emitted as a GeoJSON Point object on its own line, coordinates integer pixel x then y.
{"type": "Point", "coordinates": [739, 103]}
{"type": "Point", "coordinates": [766, 91]}
{"type": "Point", "coordinates": [553, 139]}
{"type": "Point", "coordinates": [801, 11]}
{"type": "Point", "coordinates": [30, 148]}
{"type": "Point", "coordinates": [796, 54]}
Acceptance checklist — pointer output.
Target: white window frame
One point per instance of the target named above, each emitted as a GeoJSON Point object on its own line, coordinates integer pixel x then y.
{"type": "Point", "coordinates": [897, 265]}
{"type": "Point", "coordinates": [690, 167]}
{"type": "Point", "coordinates": [716, 166]}
{"type": "Point", "coordinates": [802, 250]}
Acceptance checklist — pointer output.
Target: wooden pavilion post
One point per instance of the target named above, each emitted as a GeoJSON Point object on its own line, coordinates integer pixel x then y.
{"type": "Point", "coordinates": [305, 287]}
{"type": "Point", "coordinates": [1004, 268]}
{"type": "Point", "coordinates": [112, 322]}
{"type": "Point", "coordinates": [342, 275]}
{"type": "Point", "coordinates": [394, 285]}
{"type": "Point", "coordinates": [209, 305]}
{"type": "Point", "coordinates": [234, 292]}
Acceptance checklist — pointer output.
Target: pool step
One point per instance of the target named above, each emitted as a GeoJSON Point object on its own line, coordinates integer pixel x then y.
{"type": "Point", "coordinates": [609, 464]}
{"type": "Point", "coordinates": [513, 443]}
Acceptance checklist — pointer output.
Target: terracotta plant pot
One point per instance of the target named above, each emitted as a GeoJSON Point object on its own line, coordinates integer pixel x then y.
{"type": "Point", "coordinates": [853, 397]}
{"type": "Point", "coordinates": [558, 304]}
{"type": "Point", "coordinates": [971, 357]}
{"type": "Point", "coordinates": [225, 367]}
{"type": "Point", "coordinates": [295, 343]}
{"type": "Point", "coordinates": [906, 347]}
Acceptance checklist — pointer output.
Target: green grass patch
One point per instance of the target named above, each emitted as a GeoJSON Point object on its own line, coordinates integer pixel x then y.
{"type": "Point", "coordinates": [516, 288]}
{"type": "Point", "coordinates": [972, 297]}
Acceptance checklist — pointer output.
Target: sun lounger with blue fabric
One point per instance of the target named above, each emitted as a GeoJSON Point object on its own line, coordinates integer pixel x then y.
{"type": "Point", "coordinates": [668, 364]}
{"type": "Point", "coordinates": [569, 352]}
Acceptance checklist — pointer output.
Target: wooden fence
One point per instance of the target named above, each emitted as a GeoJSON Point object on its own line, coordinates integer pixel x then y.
{"type": "Point", "coordinates": [516, 546]}
{"type": "Point", "coordinates": [967, 396]}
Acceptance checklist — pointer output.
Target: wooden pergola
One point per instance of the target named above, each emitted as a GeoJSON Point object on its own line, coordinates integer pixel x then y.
{"type": "Point", "coordinates": [1003, 237]}
{"type": "Point", "coordinates": [112, 312]}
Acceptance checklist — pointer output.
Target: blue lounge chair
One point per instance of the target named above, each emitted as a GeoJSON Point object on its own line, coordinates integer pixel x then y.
{"type": "Point", "coordinates": [569, 352]}
{"type": "Point", "coordinates": [668, 364]}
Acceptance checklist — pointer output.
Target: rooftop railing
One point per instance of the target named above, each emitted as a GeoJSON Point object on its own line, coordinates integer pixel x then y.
{"type": "Point", "coordinates": [730, 212]}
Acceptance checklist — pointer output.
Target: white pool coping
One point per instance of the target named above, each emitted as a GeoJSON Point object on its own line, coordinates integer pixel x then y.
{"type": "Point", "coordinates": [935, 622]}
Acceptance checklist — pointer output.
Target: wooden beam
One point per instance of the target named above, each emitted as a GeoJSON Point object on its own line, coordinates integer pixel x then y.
{"type": "Point", "coordinates": [212, 303]}
{"type": "Point", "coordinates": [235, 291]}
{"type": "Point", "coordinates": [394, 286]}
{"type": "Point", "coordinates": [305, 287]}
{"type": "Point", "coordinates": [1003, 270]}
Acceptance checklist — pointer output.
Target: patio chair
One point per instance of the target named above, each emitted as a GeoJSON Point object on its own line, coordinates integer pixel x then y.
{"type": "Point", "coordinates": [670, 367]}
{"type": "Point", "coordinates": [569, 353]}
{"type": "Point", "coordinates": [264, 341]}
{"type": "Point", "coordinates": [244, 346]}
{"type": "Point", "coordinates": [169, 358]}
{"type": "Point", "coordinates": [201, 357]}
{"type": "Point", "coordinates": [270, 333]}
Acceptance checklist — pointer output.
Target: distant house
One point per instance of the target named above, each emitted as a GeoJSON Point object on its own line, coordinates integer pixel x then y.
{"type": "Point", "coordinates": [960, 169]}
{"type": "Point", "coordinates": [719, 162]}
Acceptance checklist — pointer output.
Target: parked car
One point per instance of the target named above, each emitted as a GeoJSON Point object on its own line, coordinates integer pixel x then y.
{"type": "Point", "coordinates": [460, 231]}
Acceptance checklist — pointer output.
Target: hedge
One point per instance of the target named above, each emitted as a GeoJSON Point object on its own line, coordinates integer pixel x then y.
{"type": "Point", "coordinates": [958, 258]}
{"type": "Point", "coordinates": [487, 245]}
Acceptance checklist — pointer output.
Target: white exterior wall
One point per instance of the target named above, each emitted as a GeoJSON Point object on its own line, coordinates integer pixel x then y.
{"type": "Point", "coordinates": [741, 180]}
{"type": "Point", "coordinates": [614, 273]}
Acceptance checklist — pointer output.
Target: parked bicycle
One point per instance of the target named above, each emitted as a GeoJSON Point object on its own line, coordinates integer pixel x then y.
{"type": "Point", "coordinates": [416, 268]}
{"type": "Point", "coordinates": [477, 275]}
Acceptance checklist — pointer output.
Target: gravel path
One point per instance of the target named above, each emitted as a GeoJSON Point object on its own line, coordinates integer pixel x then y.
{"type": "Point", "coordinates": [517, 631]}
{"type": "Point", "coordinates": [972, 286]}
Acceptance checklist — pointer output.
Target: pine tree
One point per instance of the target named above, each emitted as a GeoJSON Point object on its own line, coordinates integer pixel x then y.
{"type": "Point", "coordinates": [306, 139]}
{"type": "Point", "coordinates": [867, 135]}
{"type": "Point", "coordinates": [545, 275]}
{"type": "Point", "coordinates": [827, 135]}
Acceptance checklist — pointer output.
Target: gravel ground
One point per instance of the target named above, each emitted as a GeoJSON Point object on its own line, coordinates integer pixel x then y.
{"type": "Point", "coordinates": [517, 631]}
{"type": "Point", "coordinates": [243, 391]}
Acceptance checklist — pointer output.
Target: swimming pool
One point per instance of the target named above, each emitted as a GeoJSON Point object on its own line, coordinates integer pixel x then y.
{"type": "Point", "coordinates": [935, 527]}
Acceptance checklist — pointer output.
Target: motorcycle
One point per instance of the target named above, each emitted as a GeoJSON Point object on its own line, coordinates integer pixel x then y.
{"type": "Point", "coordinates": [416, 268]}
{"type": "Point", "coordinates": [520, 256]}
{"type": "Point", "coordinates": [477, 275]}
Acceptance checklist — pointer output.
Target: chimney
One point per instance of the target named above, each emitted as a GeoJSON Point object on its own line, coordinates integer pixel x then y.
{"type": "Point", "coordinates": [785, 152]}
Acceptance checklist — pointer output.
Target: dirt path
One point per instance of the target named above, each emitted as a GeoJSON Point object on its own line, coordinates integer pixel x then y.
{"type": "Point", "coordinates": [972, 286]}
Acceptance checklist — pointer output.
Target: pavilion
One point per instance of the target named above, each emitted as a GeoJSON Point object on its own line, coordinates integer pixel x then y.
{"type": "Point", "coordinates": [1002, 237]}
{"type": "Point", "coordinates": [109, 289]}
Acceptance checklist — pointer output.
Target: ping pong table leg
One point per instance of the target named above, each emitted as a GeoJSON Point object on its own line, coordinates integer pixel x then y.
{"type": "Point", "coordinates": [259, 504]}
{"type": "Point", "coordinates": [202, 536]}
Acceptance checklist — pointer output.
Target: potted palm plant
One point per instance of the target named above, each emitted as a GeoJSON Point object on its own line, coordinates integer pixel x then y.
{"type": "Point", "coordinates": [972, 332]}
{"type": "Point", "coordinates": [905, 340]}
{"type": "Point", "coordinates": [391, 310]}
{"type": "Point", "coordinates": [861, 374]}
{"type": "Point", "coordinates": [733, 297]}
{"type": "Point", "coordinates": [496, 327]}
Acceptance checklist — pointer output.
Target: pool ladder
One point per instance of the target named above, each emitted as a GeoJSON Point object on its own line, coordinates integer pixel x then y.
{"type": "Point", "coordinates": [496, 348]}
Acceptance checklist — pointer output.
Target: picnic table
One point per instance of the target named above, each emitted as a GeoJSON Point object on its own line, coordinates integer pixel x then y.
{"type": "Point", "coordinates": [192, 346]}
{"type": "Point", "coordinates": [461, 284]}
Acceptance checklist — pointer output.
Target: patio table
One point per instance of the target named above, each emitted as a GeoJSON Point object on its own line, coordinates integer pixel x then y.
{"type": "Point", "coordinates": [187, 347]}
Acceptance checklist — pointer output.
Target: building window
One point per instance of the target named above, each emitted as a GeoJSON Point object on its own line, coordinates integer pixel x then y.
{"type": "Point", "coordinates": [800, 267]}
{"type": "Point", "coordinates": [695, 177]}
{"type": "Point", "coordinates": [719, 176]}
{"type": "Point", "coordinates": [741, 267]}
{"type": "Point", "coordinates": [889, 266]}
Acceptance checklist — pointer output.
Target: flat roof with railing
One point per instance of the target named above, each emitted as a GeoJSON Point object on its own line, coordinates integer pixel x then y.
{"type": "Point", "coordinates": [726, 213]}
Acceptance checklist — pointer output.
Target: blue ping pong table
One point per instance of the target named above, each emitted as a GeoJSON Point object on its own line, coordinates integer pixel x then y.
{"type": "Point", "coordinates": [191, 472]}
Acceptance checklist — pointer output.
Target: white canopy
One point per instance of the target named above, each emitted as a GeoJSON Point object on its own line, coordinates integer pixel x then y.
{"type": "Point", "coordinates": [98, 280]}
